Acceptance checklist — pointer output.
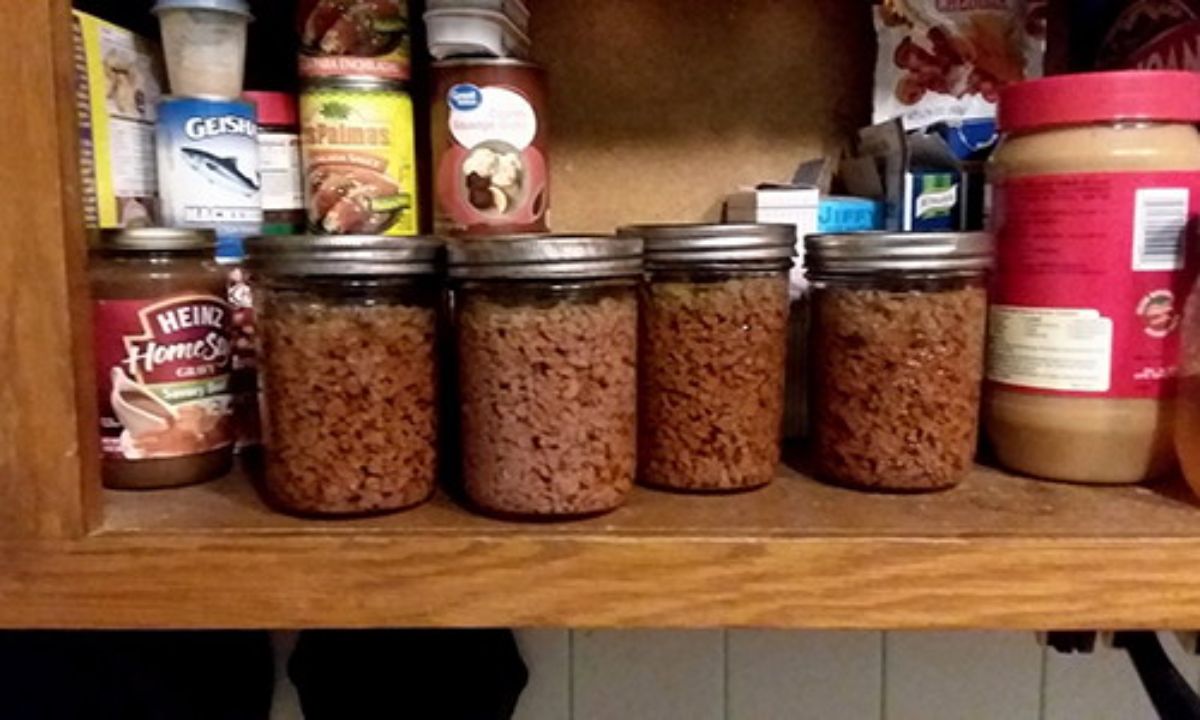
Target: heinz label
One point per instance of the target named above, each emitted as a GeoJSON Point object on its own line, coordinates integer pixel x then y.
{"type": "Point", "coordinates": [163, 373]}
{"type": "Point", "coordinates": [208, 165]}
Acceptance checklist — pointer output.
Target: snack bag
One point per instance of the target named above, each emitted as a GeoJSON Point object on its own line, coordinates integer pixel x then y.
{"type": "Point", "coordinates": [944, 61]}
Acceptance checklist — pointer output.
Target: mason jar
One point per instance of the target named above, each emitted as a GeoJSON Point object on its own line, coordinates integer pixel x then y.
{"type": "Point", "coordinates": [546, 338]}
{"type": "Point", "coordinates": [898, 331]}
{"type": "Point", "coordinates": [714, 331]}
{"type": "Point", "coordinates": [348, 343]}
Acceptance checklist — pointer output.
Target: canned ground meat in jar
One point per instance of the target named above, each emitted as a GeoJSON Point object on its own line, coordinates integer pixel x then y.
{"type": "Point", "coordinates": [162, 350]}
{"type": "Point", "coordinates": [546, 331]}
{"type": "Point", "coordinates": [359, 153]}
{"type": "Point", "coordinates": [713, 344]}
{"type": "Point", "coordinates": [1097, 191]}
{"type": "Point", "coordinates": [490, 146]}
{"type": "Point", "coordinates": [348, 362]}
{"type": "Point", "coordinates": [897, 342]}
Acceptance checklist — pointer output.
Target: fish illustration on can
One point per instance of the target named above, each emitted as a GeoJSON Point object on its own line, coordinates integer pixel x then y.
{"type": "Point", "coordinates": [223, 172]}
{"type": "Point", "coordinates": [208, 165]}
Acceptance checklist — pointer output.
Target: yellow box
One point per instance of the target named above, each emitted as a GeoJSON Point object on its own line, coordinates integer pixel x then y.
{"type": "Point", "coordinates": [118, 82]}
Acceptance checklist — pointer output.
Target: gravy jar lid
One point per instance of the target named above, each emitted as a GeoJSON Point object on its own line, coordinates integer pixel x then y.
{"type": "Point", "coordinates": [156, 239]}
{"type": "Point", "coordinates": [870, 252]}
{"type": "Point", "coordinates": [343, 255]}
{"type": "Point", "coordinates": [674, 245]}
{"type": "Point", "coordinates": [546, 257]}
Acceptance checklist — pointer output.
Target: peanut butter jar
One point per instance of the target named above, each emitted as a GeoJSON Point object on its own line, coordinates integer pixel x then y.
{"type": "Point", "coordinates": [1096, 197]}
{"type": "Point", "coordinates": [162, 350]}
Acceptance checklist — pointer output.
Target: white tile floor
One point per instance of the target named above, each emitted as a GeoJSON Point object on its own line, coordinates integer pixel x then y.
{"type": "Point", "coordinates": [772, 675]}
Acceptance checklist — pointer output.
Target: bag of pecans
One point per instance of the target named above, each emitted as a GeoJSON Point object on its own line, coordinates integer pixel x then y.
{"type": "Point", "coordinates": [944, 61]}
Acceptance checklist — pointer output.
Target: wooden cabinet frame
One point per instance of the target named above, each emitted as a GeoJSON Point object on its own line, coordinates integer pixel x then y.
{"type": "Point", "coordinates": [1004, 554]}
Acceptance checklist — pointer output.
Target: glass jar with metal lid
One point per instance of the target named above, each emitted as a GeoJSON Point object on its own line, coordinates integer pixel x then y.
{"type": "Point", "coordinates": [162, 350]}
{"type": "Point", "coordinates": [712, 354]}
{"type": "Point", "coordinates": [546, 330]}
{"type": "Point", "coordinates": [897, 336]}
{"type": "Point", "coordinates": [348, 330]}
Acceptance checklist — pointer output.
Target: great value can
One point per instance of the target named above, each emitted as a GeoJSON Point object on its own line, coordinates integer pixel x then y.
{"type": "Point", "coordinates": [490, 147]}
{"type": "Point", "coordinates": [360, 164]}
{"type": "Point", "coordinates": [208, 166]}
{"type": "Point", "coordinates": [355, 38]}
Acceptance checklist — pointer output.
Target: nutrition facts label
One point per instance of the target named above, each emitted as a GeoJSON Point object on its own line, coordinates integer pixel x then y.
{"type": "Point", "coordinates": [1050, 348]}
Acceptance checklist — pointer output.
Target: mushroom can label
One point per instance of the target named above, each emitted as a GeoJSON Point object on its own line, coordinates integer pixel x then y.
{"type": "Point", "coordinates": [360, 163]}
{"type": "Point", "coordinates": [163, 374]}
{"type": "Point", "coordinates": [208, 165]}
{"type": "Point", "coordinates": [489, 136]}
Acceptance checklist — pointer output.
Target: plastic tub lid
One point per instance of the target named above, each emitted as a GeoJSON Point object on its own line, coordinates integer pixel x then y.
{"type": "Point", "coordinates": [516, 10]}
{"type": "Point", "coordinates": [499, 18]}
{"type": "Point", "coordinates": [1162, 95]}
{"type": "Point", "coordinates": [237, 7]}
{"type": "Point", "coordinates": [274, 108]}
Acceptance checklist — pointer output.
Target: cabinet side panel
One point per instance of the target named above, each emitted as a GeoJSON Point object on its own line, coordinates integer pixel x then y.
{"type": "Point", "coordinates": [47, 489]}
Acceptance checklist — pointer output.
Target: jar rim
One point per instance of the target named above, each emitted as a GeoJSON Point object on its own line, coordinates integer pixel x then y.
{"type": "Point", "coordinates": [154, 240]}
{"type": "Point", "coordinates": [687, 245]}
{"type": "Point", "coordinates": [343, 255]}
{"type": "Point", "coordinates": [548, 257]}
{"type": "Point", "coordinates": [873, 252]}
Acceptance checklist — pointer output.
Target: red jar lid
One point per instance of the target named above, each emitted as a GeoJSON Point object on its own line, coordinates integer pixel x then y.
{"type": "Point", "coordinates": [1162, 95]}
{"type": "Point", "coordinates": [274, 108]}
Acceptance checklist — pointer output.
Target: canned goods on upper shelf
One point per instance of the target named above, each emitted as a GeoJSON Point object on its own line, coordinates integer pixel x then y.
{"type": "Point", "coordinates": [355, 38]}
{"type": "Point", "coordinates": [462, 28]}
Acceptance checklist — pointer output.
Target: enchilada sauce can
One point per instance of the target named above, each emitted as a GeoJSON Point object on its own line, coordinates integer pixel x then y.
{"type": "Point", "coordinates": [359, 157]}
{"type": "Point", "coordinates": [208, 165]}
{"type": "Point", "coordinates": [355, 38]}
{"type": "Point", "coordinates": [490, 147]}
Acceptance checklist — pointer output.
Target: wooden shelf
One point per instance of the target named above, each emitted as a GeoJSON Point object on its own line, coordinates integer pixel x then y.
{"type": "Point", "coordinates": [1000, 552]}
{"type": "Point", "coordinates": [649, 124]}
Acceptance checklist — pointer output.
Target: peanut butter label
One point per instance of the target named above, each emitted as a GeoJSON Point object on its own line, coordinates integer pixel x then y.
{"type": "Point", "coordinates": [1092, 272]}
{"type": "Point", "coordinates": [163, 375]}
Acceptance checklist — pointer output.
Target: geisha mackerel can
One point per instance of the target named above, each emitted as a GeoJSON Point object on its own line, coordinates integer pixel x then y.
{"type": "Point", "coordinates": [359, 153]}
{"type": "Point", "coordinates": [208, 167]}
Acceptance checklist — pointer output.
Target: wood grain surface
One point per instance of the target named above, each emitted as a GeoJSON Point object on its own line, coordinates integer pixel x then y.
{"type": "Point", "coordinates": [45, 391]}
{"type": "Point", "coordinates": [660, 109]}
{"type": "Point", "coordinates": [1000, 552]}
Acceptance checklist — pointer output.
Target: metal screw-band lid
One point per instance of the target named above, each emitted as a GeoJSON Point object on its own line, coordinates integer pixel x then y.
{"type": "Point", "coordinates": [546, 257]}
{"type": "Point", "coordinates": [343, 255]}
{"type": "Point", "coordinates": [685, 245]}
{"type": "Point", "coordinates": [869, 252]}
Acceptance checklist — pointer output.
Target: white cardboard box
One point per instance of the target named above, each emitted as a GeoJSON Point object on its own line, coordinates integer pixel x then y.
{"type": "Point", "coordinates": [791, 205]}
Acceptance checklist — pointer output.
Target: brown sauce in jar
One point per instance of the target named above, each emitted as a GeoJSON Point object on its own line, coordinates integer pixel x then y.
{"type": "Point", "coordinates": [161, 331]}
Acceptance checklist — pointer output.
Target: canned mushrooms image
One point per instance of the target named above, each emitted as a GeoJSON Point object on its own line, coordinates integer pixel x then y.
{"type": "Point", "coordinates": [489, 130]}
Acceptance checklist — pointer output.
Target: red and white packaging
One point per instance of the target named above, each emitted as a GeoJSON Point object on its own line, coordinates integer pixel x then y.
{"type": "Point", "coordinates": [490, 146]}
{"type": "Point", "coordinates": [1093, 267]}
{"type": "Point", "coordinates": [163, 375]}
{"type": "Point", "coordinates": [945, 61]}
